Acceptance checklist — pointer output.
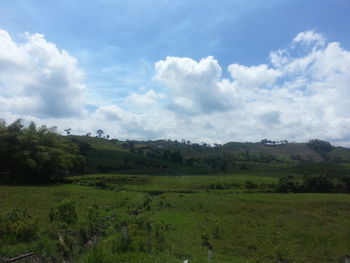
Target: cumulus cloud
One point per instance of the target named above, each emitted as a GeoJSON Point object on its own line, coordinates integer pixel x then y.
{"type": "Point", "coordinates": [302, 92]}
{"type": "Point", "coordinates": [195, 86]}
{"type": "Point", "coordinates": [144, 99]}
{"type": "Point", "coordinates": [298, 97]}
{"type": "Point", "coordinates": [39, 79]}
{"type": "Point", "coordinates": [254, 76]}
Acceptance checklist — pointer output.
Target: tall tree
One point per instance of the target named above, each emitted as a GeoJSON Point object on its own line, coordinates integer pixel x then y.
{"type": "Point", "coordinates": [99, 132]}
{"type": "Point", "coordinates": [36, 155]}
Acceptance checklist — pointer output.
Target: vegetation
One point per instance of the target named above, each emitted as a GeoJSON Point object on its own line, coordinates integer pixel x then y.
{"type": "Point", "coordinates": [167, 201]}
{"type": "Point", "coordinates": [314, 184]}
{"type": "Point", "coordinates": [39, 155]}
{"type": "Point", "coordinates": [147, 220]}
{"type": "Point", "coordinates": [35, 155]}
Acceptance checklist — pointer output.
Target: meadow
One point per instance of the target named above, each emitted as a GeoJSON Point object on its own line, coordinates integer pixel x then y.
{"type": "Point", "coordinates": [144, 218]}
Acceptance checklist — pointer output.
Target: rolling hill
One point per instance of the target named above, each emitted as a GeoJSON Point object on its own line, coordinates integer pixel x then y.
{"type": "Point", "coordinates": [175, 157]}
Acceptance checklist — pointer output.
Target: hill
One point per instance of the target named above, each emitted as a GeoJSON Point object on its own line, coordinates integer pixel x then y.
{"type": "Point", "coordinates": [110, 155]}
{"type": "Point", "coordinates": [185, 157]}
{"type": "Point", "coordinates": [290, 151]}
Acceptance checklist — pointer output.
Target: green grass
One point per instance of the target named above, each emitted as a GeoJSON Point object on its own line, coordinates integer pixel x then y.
{"type": "Point", "coordinates": [184, 183]}
{"type": "Point", "coordinates": [242, 225]}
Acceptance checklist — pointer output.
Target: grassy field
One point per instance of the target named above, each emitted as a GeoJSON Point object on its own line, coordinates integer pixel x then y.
{"type": "Point", "coordinates": [183, 183]}
{"type": "Point", "coordinates": [177, 215]}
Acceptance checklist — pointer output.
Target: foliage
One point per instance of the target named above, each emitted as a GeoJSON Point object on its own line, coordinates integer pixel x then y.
{"type": "Point", "coordinates": [314, 184]}
{"type": "Point", "coordinates": [124, 242]}
{"type": "Point", "coordinates": [46, 248]}
{"type": "Point", "coordinates": [289, 184]}
{"type": "Point", "coordinates": [321, 147]}
{"type": "Point", "coordinates": [249, 227]}
{"type": "Point", "coordinates": [318, 184]}
{"type": "Point", "coordinates": [250, 185]}
{"type": "Point", "coordinates": [35, 155]}
{"type": "Point", "coordinates": [18, 224]}
{"type": "Point", "coordinates": [156, 157]}
{"type": "Point", "coordinates": [65, 212]}
{"type": "Point", "coordinates": [99, 132]}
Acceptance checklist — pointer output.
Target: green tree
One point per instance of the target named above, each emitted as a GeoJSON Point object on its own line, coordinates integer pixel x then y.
{"type": "Point", "coordinates": [36, 155]}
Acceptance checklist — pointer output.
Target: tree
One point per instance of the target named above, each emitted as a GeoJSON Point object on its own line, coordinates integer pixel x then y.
{"type": "Point", "coordinates": [68, 131]}
{"type": "Point", "coordinates": [36, 155]}
{"type": "Point", "coordinates": [176, 157]}
{"type": "Point", "coordinates": [319, 145]}
{"type": "Point", "coordinates": [2, 122]}
{"type": "Point", "coordinates": [99, 132]}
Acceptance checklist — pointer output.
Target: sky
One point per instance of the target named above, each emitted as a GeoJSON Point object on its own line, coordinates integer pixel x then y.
{"type": "Point", "coordinates": [200, 70]}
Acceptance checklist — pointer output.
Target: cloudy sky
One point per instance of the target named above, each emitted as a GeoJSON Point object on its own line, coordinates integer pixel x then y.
{"type": "Point", "coordinates": [205, 71]}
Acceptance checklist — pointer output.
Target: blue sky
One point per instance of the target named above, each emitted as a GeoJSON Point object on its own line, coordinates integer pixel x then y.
{"type": "Point", "coordinates": [117, 44]}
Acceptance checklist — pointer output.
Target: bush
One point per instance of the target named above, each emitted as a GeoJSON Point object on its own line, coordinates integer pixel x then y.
{"type": "Point", "coordinates": [250, 185]}
{"type": "Point", "coordinates": [95, 223]}
{"type": "Point", "coordinates": [45, 248]}
{"type": "Point", "coordinates": [64, 211]}
{"type": "Point", "coordinates": [18, 224]}
{"type": "Point", "coordinates": [218, 186]}
{"type": "Point", "coordinates": [319, 145]}
{"type": "Point", "coordinates": [289, 184]}
{"type": "Point", "coordinates": [313, 184]}
{"type": "Point", "coordinates": [318, 184]}
{"type": "Point", "coordinates": [342, 185]}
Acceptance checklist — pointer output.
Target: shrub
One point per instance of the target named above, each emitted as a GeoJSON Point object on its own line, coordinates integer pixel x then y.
{"type": "Point", "coordinates": [18, 224]}
{"type": "Point", "coordinates": [218, 186]}
{"type": "Point", "coordinates": [318, 184]}
{"type": "Point", "coordinates": [64, 211]}
{"type": "Point", "coordinates": [45, 248]}
{"type": "Point", "coordinates": [250, 185]}
{"type": "Point", "coordinates": [123, 243]}
{"type": "Point", "coordinates": [95, 223]}
{"type": "Point", "coordinates": [289, 184]}
{"type": "Point", "coordinates": [311, 184]}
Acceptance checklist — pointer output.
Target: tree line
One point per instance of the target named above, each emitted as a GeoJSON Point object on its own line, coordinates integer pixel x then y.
{"type": "Point", "coordinates": [35, 155]}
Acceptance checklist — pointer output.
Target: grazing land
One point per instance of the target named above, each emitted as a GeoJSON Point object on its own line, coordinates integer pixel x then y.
{"type": "Point", "coordinates": [98, 200]}
{"type": "Point", "coordinates": [172, 218]}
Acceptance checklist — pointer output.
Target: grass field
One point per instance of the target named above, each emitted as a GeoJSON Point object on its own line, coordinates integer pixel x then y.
{"type": "Point", "coordinates": [242, 224]}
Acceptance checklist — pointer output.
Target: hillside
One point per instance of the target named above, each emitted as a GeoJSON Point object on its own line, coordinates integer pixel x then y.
{"type": "Point", "coordinates": [295, 151]}
{"type": "Point", "coordinates": [165, 201]}
{"type": "Point", "coordinates": [108, 155]}
{"type": "Point", "coordinates": [184, 157]}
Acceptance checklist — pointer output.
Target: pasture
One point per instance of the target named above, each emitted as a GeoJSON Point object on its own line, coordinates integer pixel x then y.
{"type": "Point", "coordinates": [173, 218]}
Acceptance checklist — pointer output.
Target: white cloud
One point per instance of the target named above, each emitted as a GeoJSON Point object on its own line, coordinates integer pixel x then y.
{"type": "Point", "coordinates": [254, 76]}
{"type": "Point", "coordinates": [303, 94]}
{"type": "Point", "coordinates": [146, 99]}
{"type": "Point", "coordinates": [310, 38]}
{"type": "Point", "coordinates": [194, 85]}
{"type": "Point", "coordinates": [309, 100]}
{"type": "Point", "coordinates": [39, 79]}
